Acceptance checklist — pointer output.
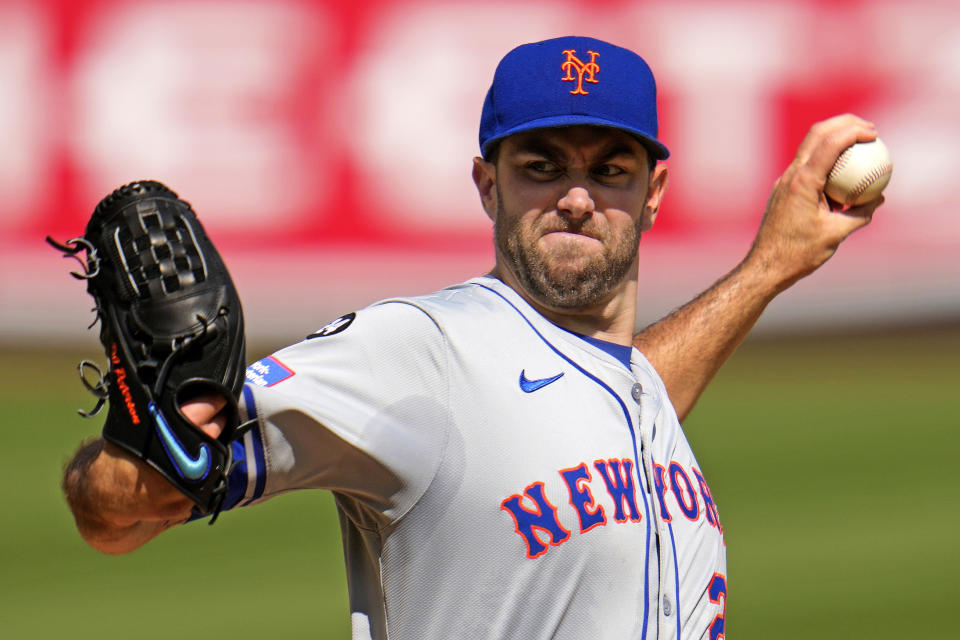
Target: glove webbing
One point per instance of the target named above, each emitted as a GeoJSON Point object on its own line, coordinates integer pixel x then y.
{"type": "Point", "coordinates": [158, 250]}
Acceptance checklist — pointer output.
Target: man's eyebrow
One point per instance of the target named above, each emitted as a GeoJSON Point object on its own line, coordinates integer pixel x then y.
{"type": "Point", "coordinates": [619, 149]}
{"type": "Point", "coordinates": [539, 147]}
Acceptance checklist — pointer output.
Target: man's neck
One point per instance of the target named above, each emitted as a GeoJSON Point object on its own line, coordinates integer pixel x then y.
{"type": "Point", "coordinates": [612, 320]}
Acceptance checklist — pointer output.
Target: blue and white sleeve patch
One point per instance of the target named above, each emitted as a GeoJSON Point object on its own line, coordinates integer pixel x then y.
{"type": "Point", "coordinates": [267, 372]}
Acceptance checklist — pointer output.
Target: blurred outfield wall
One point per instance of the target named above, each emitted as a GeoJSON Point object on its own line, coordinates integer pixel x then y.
{"type": "Point", "coordinates": [326, 145]}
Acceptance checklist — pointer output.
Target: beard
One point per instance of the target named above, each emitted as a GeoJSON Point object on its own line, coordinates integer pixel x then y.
{"type": "Point", "coordinates": [564, 279]}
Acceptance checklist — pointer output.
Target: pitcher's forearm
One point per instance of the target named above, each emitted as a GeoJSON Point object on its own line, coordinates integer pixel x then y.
{"type": "Point", "coordinates": [690, 345]}
{"type": "Point", "coordinates": [799, 232]}
{"type": "Point", "coordinates": [119, 503]}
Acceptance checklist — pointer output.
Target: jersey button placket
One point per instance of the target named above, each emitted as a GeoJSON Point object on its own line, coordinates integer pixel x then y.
{"type": "Point", "coordinates": [636, 392]}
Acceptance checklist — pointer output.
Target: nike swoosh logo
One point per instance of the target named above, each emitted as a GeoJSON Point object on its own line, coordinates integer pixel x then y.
{"type": "Point", "coordinates": [529, 386]}
{"type": "Point", "coordinates": [186, 465]}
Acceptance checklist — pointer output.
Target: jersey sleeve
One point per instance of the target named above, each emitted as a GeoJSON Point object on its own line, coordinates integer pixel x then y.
{"type": "Point", "coordinates": [360, 408]}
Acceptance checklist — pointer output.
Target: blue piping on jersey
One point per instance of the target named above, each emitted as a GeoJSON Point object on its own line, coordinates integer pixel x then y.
{"type": "Point", "coordinates": [258, 462]}
{"type": "Point", "coordinates": [633, 437]}
{"type": "Point", "coordinates": [676, 570]}
{"type": "Point", "coordinates": [622, 353]}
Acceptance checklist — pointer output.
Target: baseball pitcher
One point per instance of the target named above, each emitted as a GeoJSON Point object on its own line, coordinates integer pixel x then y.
{"type": "Point", "coordinates": [506, 456]}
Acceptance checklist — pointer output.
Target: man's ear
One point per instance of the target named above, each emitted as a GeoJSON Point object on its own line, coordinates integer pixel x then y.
{"type": "Point", "coordinates": [485, 177]}
{"type": "Point", "coordinates": [659, 178]}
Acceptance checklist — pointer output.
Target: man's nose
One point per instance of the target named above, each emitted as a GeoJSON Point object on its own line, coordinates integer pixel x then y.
{"type": "Point", "coordinates": [576, 204]}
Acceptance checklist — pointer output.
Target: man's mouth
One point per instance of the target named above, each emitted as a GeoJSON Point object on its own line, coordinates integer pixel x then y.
{"type": "Point", "coordinates": [579, 233]}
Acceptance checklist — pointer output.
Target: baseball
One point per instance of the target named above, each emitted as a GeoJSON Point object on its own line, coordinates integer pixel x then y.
{"type": "Point", "coordinates": [860, 174]}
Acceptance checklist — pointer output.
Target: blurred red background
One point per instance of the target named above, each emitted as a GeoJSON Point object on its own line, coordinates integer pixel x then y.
{"type": "Point", "coordinates": [326, 145]}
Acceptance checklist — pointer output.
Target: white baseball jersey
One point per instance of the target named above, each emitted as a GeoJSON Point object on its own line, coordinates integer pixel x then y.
{"type": "Point", "coordinates": [496, 476]}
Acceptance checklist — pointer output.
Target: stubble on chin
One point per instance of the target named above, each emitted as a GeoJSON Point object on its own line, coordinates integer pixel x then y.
{"type": "Point", "coordinates": [564, 280]}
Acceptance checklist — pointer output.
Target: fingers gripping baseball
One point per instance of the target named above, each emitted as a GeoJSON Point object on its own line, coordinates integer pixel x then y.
{"type": "Point", "coordinates": [801, 228]}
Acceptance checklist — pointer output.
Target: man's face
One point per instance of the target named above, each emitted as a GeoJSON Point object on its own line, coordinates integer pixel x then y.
{"type": "Point", "coordinates": [568, 206]}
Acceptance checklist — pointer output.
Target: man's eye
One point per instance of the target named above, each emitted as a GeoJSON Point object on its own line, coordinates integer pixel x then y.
{"type": "Point", "coordinates": [608, 170]}
{"type": "Point", "coordinates": [543, 166]}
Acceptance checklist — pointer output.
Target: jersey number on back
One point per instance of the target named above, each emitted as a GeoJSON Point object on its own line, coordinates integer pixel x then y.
{"type": "Point", "coordinates": [718, 589]}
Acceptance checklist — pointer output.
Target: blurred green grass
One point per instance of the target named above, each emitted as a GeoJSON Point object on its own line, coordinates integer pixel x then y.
{"type": "Point", "coordinates": [832, 460]}
{"type": "Point", "coordinates": [271, 572]}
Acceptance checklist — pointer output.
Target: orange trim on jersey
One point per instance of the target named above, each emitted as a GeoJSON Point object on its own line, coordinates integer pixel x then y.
{"type": "Point", "coordinates": [674, 468]}
{"type": "Point", "coordinates": [554, 541]}
{"type": "Point", "coordinates": [584, 479]}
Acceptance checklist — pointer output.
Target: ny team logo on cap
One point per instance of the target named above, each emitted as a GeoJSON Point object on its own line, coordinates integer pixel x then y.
{"type": "Point", "coordinates": [586, 71]}
{"type": "Point", "coordinates": [530, 92]}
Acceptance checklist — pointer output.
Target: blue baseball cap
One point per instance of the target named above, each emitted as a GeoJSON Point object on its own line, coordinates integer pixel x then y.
{"type": "Point", "coordinates": [571, 81]}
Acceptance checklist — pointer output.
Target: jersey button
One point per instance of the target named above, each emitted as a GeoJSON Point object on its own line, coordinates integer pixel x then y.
{"type": "Point", "coordinates": [636, 392]}
{"type": "Point", "coordinates": [667, 606]}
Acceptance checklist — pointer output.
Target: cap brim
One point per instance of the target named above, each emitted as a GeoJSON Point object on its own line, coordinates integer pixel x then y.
{"type": "Point", "coordinates": [654, 147]}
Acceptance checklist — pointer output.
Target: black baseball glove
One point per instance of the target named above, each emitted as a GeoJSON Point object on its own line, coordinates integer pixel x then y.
{"type": "Point", "coordinates": [172, 328]}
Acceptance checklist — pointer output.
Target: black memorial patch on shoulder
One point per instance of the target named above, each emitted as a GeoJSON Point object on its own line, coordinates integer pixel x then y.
{"type": "Point", "coordinates": [335, 327]}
